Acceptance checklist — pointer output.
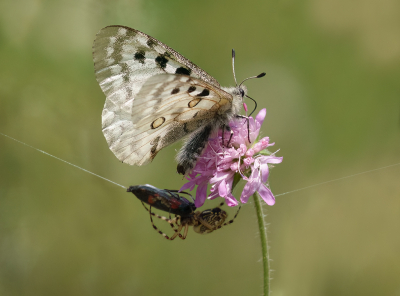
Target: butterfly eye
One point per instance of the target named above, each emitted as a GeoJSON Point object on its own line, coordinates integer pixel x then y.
{"type": "Point", "coordinates": [241, 92]}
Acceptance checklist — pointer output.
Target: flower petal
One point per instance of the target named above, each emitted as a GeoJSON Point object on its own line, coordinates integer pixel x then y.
{"type": "Point", "coordinates": [201, 195]}
{"type": "Point", "coordinates": [189, 185]}
{"type": "Point", "coordinates": [213, 195]}
{"type": "Point", "coordinates": [222, 175]}
{"type": "Point", "coordinates": [231, 200]}
{"type": "Point", "coordinates": [264, 172]}
{"type": "Point", "coordinates": [271, 159]}
{"type": "Point", "coordinates": [249, 189]}
{"type": "Point", "coordinates": [266, 195]}
{"type": "Point", "coordinates": [222, 189]}
{"type": "Point", "coordinates": [261, 116]}
{"type": "Point", "coordinates": [246, 193]}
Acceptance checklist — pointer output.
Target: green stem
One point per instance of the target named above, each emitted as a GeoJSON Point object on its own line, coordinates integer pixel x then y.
{"type": "Point", "coordinates": [264, 243]}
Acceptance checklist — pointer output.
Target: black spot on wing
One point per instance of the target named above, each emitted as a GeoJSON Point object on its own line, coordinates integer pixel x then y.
{"type": "Point", "coordinates": [151, 43]}
{"type": "Point", "coordinates": [204, 93]}
{"type": "Point", "coordinates": [183, 71]}
{"type": "Point", "coordinates": [175, 91]}
{"type": "Point", "coordinates": [157, 123]}
{"type": "Point", "coordinates": [139, 56]}
{"type": "Point", "coordinates": [193, 103]}
{"type": "Point", "coordinates": [167, 54]}
{"type": "Point", "coordinates": [161, 61]}
{"type": "Point", "coordinates": [191, 89]}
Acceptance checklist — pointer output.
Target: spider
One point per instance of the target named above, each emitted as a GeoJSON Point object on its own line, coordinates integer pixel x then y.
{"type": "Point", "coordinates": [185, 211]}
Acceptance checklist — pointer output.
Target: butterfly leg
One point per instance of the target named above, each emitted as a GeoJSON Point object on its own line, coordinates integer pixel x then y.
{"type": "Point", "coordinates": [248, 125]}
{"type": "Point", "coordinates": [230, 137]}
{"type": "Point", "coordinates": [228, 128]}
{"type": "Point", "coordinates": [223, 135]}
{"type": "Point", "coordinates": [248, 129]}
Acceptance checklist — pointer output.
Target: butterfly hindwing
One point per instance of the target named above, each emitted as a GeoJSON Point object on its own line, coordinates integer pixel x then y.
{"type": "Point", "coordinates": [167, 108]}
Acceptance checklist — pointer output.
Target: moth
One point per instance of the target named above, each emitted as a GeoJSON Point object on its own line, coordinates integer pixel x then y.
{"type": "Point", "coordinates": [155, 97]}
{"type": "Point", "coordinates": [185, 212]}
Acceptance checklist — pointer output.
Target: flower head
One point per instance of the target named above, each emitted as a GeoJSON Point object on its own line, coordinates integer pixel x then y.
{"type": "Point", "coordinates": [223, 166]}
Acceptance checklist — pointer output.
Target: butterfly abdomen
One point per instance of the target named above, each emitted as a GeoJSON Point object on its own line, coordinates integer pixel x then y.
{"type": "Point", "coordinates": [197, 141]}
{"type": "Point", "coordinates": [193, 148]}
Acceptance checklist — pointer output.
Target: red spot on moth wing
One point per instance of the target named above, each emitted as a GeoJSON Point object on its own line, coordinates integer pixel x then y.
{"type": "Point", "coordinates": [175, 203]}
{"type": "Point", "coordinates": [151, 199]}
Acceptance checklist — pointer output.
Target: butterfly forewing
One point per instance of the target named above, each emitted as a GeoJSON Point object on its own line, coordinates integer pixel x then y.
{"type": "Point", "coordinates": [155, 96]}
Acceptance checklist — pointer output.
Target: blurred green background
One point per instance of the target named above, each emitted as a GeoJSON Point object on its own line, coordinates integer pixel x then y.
{"type": "Point", "coordinates": [332, 93]}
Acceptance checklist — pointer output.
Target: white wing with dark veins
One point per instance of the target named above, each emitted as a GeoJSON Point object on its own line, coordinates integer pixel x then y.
{"type": "Point", "coordinates": [167, 108]}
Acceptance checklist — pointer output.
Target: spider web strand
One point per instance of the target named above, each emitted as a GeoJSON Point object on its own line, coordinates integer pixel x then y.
{"type": "Point", "coordinates": [334, 180]}
{"type": "Point", "coordinates": [78, 167]}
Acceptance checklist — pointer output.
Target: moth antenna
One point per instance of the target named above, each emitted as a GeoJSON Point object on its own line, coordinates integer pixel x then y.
{"type": "Point", "coordinates": [233, 65]}
{"type": "Point", "coordinates": [258, 76]}
{"type": "Point", "coordinates": [255, 107]}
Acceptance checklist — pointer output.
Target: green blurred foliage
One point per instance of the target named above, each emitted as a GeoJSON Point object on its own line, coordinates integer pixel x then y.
{"type": "Point", "coordinates": [332, 94]}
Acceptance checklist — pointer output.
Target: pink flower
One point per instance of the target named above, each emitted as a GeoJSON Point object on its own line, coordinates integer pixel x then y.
{"type": "Point", "coordinates": [221, 166]}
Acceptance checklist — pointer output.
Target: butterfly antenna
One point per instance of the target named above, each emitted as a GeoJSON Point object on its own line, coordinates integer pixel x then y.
{"type": "Point", "coordinates": [258, 76]}
{"type": "Point", "coordinates": [255, 106]}
{"type": "Point", "coordinates": [233, 65]}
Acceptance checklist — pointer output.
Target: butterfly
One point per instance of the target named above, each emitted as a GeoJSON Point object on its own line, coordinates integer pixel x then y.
{"type": "Point", "coordinates": [155, 97]}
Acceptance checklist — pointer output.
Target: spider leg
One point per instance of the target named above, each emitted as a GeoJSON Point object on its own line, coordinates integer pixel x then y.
{"type": "Point", "coordinates": [173, 224]}
{"type": "Point", "coordinates": [162, 218]}
{"type": "Point", "coordinates": [231, 221]}
{"type": "Point", "coordinates": [221, 204]}
{"type": "Point", "coordinates": [186, 227]}
{"type": "Point", "coordinates": [158, 216]}
{"type": "Point", "coordinates": [170, 220]}
{"type": "Point", "coordinates": [185, 231]}
{"type": "Point", "coordinates": [177, 233]}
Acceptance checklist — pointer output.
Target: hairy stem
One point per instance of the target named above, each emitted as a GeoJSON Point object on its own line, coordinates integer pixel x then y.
{"type": "Point", "coordinates": [264, 243]}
